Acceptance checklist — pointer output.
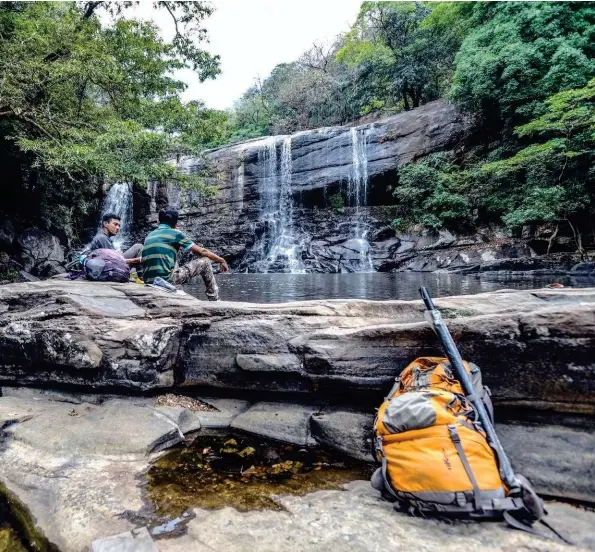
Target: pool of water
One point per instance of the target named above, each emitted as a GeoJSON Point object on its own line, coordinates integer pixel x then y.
{"type": "Point", "coordinates": [380, 286]}
{"type": "Point", "coordinates": [245, 472]}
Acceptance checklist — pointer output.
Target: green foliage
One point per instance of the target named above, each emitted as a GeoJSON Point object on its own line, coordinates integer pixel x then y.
{"type": "Point", "coordinates": [432, 193]}
{"type": "Point", "coordinates": [520, 53]}
{"type": "Point", "coordinates": [87, 94]}
{"type": "Point", "coordinates": [408, 53]}
{"type": "Point", "coordinates": [337, 203]}
{"type": "Point", "coordinates": [555, 170]}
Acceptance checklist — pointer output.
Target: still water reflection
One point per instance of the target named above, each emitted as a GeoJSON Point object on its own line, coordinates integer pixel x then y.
{"type": "Point", "coordinates": [279, 288]}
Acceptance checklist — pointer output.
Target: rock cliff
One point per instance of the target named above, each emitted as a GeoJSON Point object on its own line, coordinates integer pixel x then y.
{"type": "Point", "coordinates": [321, 201]}
{"type": "Point", "coordinates": [132, 337]}
{"type": "Point", "coordinates": [272, 205]}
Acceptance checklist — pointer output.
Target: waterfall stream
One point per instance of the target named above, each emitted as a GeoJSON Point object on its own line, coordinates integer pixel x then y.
{"type": "Point", "coordinates": [357, 196]}
{"type": "Point", "coordinates": [278, 249]}
{"type": "Point", "coordinates": [119, 201]}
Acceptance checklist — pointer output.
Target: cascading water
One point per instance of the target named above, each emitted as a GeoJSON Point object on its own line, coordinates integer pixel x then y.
{"type": "Point", "coordinates": [119, 201]}
{"type": "Point", "coordinates": [357, 196]}
{"type": "Point", "coordinates": [278, 248]}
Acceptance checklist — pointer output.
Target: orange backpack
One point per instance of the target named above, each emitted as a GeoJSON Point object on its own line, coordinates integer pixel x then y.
{"type": "Point", "coordinates": [434, 454]}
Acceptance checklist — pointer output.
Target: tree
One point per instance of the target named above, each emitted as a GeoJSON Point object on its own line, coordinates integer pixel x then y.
{"type": "Point", "coordinates": [82, 101]}
{"type": "Point", "coordinates": [431, 193]}
{"type": "Point", "coordinates": [555, 168]}
{"type": "Point", "coordinates": [517, 54]}
{"type": "Point", "coordinates": [411, 61]}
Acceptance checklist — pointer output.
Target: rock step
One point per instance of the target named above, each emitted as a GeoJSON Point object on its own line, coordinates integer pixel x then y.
{"type": "Point", "coordinates": [531, 345]}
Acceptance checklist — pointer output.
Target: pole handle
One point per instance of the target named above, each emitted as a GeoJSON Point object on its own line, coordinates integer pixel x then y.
{"type": "Point", "coordinates": [426, 298]}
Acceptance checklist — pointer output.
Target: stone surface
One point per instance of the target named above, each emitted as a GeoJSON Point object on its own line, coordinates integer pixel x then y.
{"type": "Point", "coordinates": [37, 249]}
{"type": "Point", "coordinates": [348, 431]}
{"type": "Point", "coordinates": [279, 421]}
{"type": "Point", "coordinates": [7, 235]}
{"type": "Point", "coordinates": [128, 336]}
{"type": "Point", "coordinates": [78, 468]}
{"type": "Point", "coordinates": [229, 409]}
{"type": "Point", "coordinates": [85, 485]}
{"type": "Point", "coordinates": [558, 460]}
{"type": "Point", "coordinates": [137, 540]}
{"type": "Point", "coordinates": [357, 519]}
{"type": "Point", "coordinates": [585, 268]}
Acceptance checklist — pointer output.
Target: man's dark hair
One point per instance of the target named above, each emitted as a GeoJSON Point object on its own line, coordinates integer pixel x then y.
{"type": "Point", "coordinates": [169, 217]}
{"type": "Point", "coordinates": [108, 217]}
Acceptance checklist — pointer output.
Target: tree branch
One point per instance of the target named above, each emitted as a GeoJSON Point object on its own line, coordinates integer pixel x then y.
{"type": "Point", "coordinates": [172, 16]}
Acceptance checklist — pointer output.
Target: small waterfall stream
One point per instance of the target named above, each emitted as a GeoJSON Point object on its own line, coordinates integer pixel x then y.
{"type": "Point", "coordinates": [119, 201]}
{"type": "Point", "coordinates": [357, 195]}
{"type": "Point", "coordinates": [278, 248]}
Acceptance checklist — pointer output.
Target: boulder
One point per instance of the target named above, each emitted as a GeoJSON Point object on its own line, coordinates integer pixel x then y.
{"type": "Point", "coordinates": [38, 247]}
{"type": "Point", "coordinates": [279, 421]}
{"type": "Point", "coordinates": [7, 235]}
{"type": "Point", "coordinates": [346, 430]}
{"type": "Point", "coordinates": [227, 411]}
{"type": "Point", "coordinates": [125, 336]}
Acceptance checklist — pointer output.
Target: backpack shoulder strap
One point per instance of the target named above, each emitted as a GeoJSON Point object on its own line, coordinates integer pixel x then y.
{"type": "Point", "coordinates": [456, 440]}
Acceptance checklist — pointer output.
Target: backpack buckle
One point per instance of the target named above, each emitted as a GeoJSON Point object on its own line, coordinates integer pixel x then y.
{"type": "Point", "coordinates": [454, 434]}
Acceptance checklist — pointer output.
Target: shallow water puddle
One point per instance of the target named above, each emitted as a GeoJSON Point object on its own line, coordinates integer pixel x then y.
{"type": "Point", "coordinates": [17, 531]}
{"type": "Point", "coordinates": [245, 473]}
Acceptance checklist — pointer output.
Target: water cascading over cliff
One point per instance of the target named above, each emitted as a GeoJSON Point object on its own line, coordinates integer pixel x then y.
{"type": "Point", "coordinates": [277, 205]}
{"type": "Point", "coordinates": [119, 201]}
{"type": "Point", "coordinates": [357, 197]}
{"type": "Point", "coordinates": [278, 248]}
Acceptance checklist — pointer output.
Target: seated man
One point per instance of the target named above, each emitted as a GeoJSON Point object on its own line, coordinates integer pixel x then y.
{"type": "Point", "coordinates": [161, 248]}
{"type": "Point", "coordinates": [110, 226]}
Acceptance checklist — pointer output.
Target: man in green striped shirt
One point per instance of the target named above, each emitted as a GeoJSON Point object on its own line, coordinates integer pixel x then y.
{"type": "Point", "coordinates": [160, 252]}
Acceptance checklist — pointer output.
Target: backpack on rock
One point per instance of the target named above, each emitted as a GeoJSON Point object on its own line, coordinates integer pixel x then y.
{"type": "Point", "coordinates": [436, 440]}
{"type": "Point", "coordinates": [435, 456]}
{"type": "Point", "coordinates": [106, 265]}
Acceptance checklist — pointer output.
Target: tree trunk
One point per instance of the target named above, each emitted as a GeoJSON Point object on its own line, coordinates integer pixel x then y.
{"type": "Point", "coordinates": [578, 239]}
{"type": "Point", "coordinates": [405, 100]}
{"type": "Point", "coordinates": [552, 237]}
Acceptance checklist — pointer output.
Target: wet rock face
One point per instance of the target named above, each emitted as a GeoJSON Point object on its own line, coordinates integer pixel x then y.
{"type": "Point", "coordinates": [40, 252]}
{"type": "Point", "coordinates": [233, 224]}
{"type": "Point", "coordinates": [531, 345]}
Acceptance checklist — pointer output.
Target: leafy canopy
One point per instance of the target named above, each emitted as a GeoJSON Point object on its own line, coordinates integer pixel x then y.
{"type": "Point", "coordinates": [517, 54]}
{"type": "Point", "coordinates": [88, 99]}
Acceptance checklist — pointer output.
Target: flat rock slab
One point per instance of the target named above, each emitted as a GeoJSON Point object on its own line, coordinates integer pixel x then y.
{"type": "Point", "coordinates": [228, 410]}
{"type": "Point", "coordinates": [79, 467]}
{"type": "Point", "coordinates": [348, 431]}
{"type": "Point", "coordinates": [54, 333]}
{"type": "Point", "coordinates": [357, 519]}
{"type": "Point", "coordinates": [280, 421]}
{"type": "Point", "coordinates": [137, 540]}
{"type": "Point", "coordinates": [114, 428]}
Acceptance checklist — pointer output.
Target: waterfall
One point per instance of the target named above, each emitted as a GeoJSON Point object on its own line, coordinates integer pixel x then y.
{"type": "Point", "coordinates": [357, 195]}
{"type": "Point", "coordinates": [278, 249]}
{"type": "Point", "coordinates": [358, 182]}
{"type": "Point", "coordinates": [119, 201]}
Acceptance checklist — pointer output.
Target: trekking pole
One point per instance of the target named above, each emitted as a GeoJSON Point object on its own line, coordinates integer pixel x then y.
{"type": "Point", "coordinates": [434, 317]}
